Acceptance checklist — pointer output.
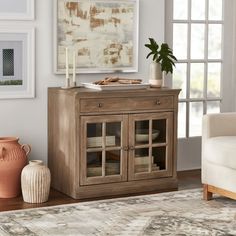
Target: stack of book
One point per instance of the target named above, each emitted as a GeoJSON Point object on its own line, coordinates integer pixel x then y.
{"type": "Point", "coordinates": [97, 141]}
{"type": "Point", "coordinates": [141, 164]}
{"type": "Point", "coordinates": [111, 168]}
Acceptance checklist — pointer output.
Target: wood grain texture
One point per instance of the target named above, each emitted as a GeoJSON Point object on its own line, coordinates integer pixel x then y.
{"type": "Point", "coordinates": [206, 194]}
{"type": "Point", "coordinates": [126, 104]}
{"type": "Point", "coordinates": [209, 190]}
{"type": "Point", "coordinates": [62, 142]}
{"type": "Point", "coordinates": [68, 112]}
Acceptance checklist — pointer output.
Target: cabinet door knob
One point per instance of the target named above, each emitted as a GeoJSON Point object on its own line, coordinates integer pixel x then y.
{"type": "Point", "coordinates": [99, 104]}
{"type": "Point", "coordinates": [125, 148]}
{"type": "Point", "coordinates": [158, 102]}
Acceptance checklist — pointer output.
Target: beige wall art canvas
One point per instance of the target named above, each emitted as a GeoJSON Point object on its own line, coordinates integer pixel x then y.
{"type": "Point", "coordinates": [103, 34]}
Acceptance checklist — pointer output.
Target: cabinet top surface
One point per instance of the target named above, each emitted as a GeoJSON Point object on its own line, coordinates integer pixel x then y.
{"type": "Point", "coordinates": [85, 92]}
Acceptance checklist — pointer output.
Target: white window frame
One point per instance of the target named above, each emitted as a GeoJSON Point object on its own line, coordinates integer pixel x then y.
{"type": "Point", "coordinates": [226, 58]}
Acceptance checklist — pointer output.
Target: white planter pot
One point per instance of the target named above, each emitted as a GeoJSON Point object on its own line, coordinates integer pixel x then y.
{"type": "Point", "coordinates": [155, 74]}
{"type": "Point", "coordinates": [35, 182]}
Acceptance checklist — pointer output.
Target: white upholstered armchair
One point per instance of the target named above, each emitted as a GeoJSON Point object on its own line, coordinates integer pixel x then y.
{"type": "Point", "coordinates": [219, 155]}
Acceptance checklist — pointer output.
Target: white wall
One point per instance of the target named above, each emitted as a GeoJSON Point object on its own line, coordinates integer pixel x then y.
{"type": "Point", "coordinates": [27, 118]}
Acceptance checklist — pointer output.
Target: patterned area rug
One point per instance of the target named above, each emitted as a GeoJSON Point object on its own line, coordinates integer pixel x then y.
{"type": "Point", "coordinates": [175, 213]}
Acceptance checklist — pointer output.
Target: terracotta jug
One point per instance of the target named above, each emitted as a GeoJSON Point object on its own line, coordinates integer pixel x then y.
{"type": "Point", "coordinates": [13, 158]}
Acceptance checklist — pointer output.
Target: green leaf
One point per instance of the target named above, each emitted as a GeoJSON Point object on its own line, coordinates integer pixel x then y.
{"type": "Point", "coordinates": [164, 55]}
{"type": "Point", "coordinates": [149, 54]}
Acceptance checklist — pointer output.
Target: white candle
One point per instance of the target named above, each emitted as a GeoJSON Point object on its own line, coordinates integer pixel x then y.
{"type": "Point", "coordinates": [74, 65]}
{"type": "Point", "coordinates": [67, 64]}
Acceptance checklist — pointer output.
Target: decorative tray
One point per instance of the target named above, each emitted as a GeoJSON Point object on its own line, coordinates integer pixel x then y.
{"type": "Point", "coordinates": [116, 86]}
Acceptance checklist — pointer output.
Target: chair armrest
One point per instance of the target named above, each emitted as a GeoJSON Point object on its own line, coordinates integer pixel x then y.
{"type": "Point", "coordinates": [223, 124]}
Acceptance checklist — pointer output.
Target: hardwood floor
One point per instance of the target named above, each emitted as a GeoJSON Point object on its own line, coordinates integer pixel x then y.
{"type": "Point", "coordinates": [187, 180]}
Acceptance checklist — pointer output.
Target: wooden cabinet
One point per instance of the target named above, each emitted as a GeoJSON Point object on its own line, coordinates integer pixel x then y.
{"type": "Point", "coordinates": [103, 143]}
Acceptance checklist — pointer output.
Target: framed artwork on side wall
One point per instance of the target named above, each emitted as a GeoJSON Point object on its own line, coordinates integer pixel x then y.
{"type": "Point", "coordinates": [17, 9]}
{"type": "Point", "coordinates": [102, 33]}
{"type": "Point", "coordinates": [17, 62]}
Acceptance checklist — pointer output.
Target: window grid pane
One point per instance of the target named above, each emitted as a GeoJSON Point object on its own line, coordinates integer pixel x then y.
{"type": "Point", "coordinates": [213, 80]}
{"type": "Point", "coordinates": [195, 118]}
{"type": "Point", "coordinates": [180, 34]}
{"type": "Point", "coordinates": [182, 120]}
{"type": "Point", "coordinates": [198, 10]}
{"type": "Point", "coordinates": [213, 107]}
{"type": "Point", "coordinates": [180, 78]}
{"type": "Point", "coordinates": [196, 80]}
{"type": "Point", "coordinates": [215, 9]}
{"type": "Point", "coordinates": [214, 41]}
{"type": "Point", "coordinates": [181, 9]}
{"type": "Point", "coordinates": [195, 44]}
{"type": "Point", "coordinates": [197, 41]}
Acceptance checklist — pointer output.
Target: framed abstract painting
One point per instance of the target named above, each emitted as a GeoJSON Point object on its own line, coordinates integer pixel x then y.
{"type": "Point", "coordinates": [102, 33]}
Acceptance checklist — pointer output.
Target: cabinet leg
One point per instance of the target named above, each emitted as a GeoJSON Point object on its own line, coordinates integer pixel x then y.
{"type": "Point", "coordinates": [206, 194]}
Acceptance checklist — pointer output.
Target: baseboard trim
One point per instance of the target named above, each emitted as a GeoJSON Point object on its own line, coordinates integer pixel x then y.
{"type": "Point", "coordinates": [183, 173]}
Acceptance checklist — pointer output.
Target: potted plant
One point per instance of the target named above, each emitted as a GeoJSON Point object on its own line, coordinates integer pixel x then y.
{"type": "Point", "coordinates": [163, 61]}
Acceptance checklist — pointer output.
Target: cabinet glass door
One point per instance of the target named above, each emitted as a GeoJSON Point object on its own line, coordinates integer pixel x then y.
{"type": "Point", "coordinates": [150, 145]}
{"type": "Point", "coordinates": [103, 157]}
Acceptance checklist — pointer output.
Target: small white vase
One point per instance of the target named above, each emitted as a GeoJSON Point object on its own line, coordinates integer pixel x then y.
{"type": "Point", "coordinates": [35, 182]}
{"type": "Point", "coordinates": [155, 74]}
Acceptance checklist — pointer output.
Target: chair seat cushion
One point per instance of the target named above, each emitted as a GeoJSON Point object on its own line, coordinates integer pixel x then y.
{"type": "Point", "coordinates": [222, 151]}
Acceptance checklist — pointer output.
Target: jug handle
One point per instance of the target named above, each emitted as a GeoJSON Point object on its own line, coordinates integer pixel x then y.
{"type": "Point", "coordinates": [26, 148]}
{"type": "Point", "coordinates": [2, 153]}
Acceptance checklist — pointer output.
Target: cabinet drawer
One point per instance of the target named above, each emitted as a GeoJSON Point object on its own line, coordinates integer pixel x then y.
{"type": "Point", "coordinates": [126, 104]}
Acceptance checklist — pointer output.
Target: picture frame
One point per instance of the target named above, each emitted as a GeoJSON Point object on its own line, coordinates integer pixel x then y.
{"type": "Point", "coordinates": [17, 9]}
{"type": "Point", "coordinates": [17, 62]}
{"type": "Point", "coordinates": [110, 47]}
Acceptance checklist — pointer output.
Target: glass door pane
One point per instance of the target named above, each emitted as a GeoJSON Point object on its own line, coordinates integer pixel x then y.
{"type": "Point", "coordinates": [141, 160]}
{"type": "Point", "coordinates": [159, 158]}
{"type": "Point", "coordinates": [113, 134]}
{"type": "Point", "coordinates": [142, 132]}
{"type": "Point", "coordinates": [104, 157]}
{"type": "Point", "coordinates": [159, 131]}
{"type": "Point", "coordinates": [149, 141]}
{"type": "Point", "coordinates": [106, 137]}
{"type": "Point", "coordinates": [113, 162]}
{"type": "Point", "coordinates": [94, 135]}
{"type": "Point", "coordinates": [94, 164]}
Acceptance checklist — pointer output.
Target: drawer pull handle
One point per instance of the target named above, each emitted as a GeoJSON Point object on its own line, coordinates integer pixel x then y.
{"type": "Point", "coordinates": [158, 102]}
{"type": "Point", "coordinates": [99, 104]}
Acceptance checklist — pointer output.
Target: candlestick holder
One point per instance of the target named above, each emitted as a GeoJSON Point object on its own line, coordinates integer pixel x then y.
{"type": "Point", "coordinates": [73, 84]}
{"type": "Point", "coordinates": [67, 84]}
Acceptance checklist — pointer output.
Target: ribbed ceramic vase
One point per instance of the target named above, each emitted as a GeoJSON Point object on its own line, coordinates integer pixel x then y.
{"type": "Point", "coordinates": [35, 182]}
{"type": "Point", "coordinates": [13, 158]}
